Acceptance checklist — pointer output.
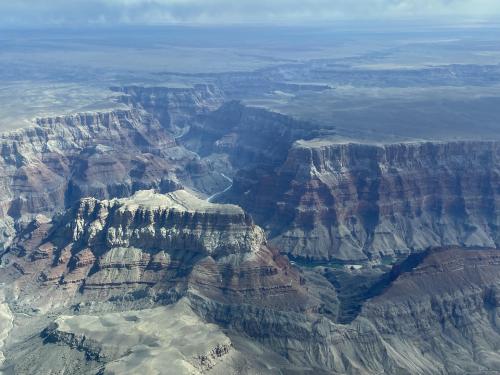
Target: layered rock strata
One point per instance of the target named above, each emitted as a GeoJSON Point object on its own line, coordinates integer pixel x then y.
{"type": "Point", "coordinates": [174, 108]}
{"type": "Point", "coordinates": [439, 317]}
{"type": "Point", "coordinates": [249, 136]}
{"type": "Point", "coordinates": [137, 253]}
{"type": "Point", "coordinates": [61, 159]}
{"type": "Point", "coordinates": [118, 253]}
{"type": "Point", "coordinates": [48, 167]}
{"type": "Point", "coordinates": [356, 201]}
{"type": "Point", "coordinates": [160, 243]}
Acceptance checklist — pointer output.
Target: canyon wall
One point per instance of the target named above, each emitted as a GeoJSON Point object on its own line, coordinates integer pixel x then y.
{"type": "Point", "coordinates": [165, 244]}
{"type": "Point", "coordinates": [174, 108]}
{"type": "Point", "coordinates": [104, 242]}
{"type": "Point", "coordinates": [49, 166]}
{"type": "Point", "coordinates": [438, 317]}
{"type": "Point", "coordinates": [155, 249]}
{"type": "Point", "coordinates": [248, 136]}
{"type": "Point", "coordinates": [103, 259]}
{"type": "Point", "coordinates": [356, 201]}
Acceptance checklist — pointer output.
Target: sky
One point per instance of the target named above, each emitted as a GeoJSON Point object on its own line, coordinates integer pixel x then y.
{"type": "Point", "coordinates": [39, 13]}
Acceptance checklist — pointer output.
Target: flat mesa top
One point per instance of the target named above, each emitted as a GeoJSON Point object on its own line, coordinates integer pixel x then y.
{"type": "Point", "coordinates": [180, 200]}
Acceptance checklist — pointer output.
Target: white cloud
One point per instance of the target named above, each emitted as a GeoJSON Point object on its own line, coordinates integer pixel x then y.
{"type": "Point", "coordinates": [77, 12]}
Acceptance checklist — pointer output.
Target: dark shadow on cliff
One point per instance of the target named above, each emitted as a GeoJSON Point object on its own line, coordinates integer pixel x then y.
{"type": "Point", "coordinates": [355, 289]}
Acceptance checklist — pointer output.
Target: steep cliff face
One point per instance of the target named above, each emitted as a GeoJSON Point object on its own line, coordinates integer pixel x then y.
{"type": "Point", "coordinates": [249, 136]}
{"type": "Point", "coordinates": [174, 108]}
{"type": "Point", "coordinates": [154, 249]}
{"type": "Point", "coordinates": [140, 253]}
{"type": "Point", "coordinates": [438, 318]}
{"type": "Point", "coordinates": [141, 221]}
{"type": "Point", "coordinates": [59, 160]}
{"type": "Point", "coordinates": [163, 244]}
{"type": "Point", "coordinates": [133, 252]}
{"type": "Point", "coordinates": [353, 201]}
{"type": "Point", "coordinates": [51, 165]}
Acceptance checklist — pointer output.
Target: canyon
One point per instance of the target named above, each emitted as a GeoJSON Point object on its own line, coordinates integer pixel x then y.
{"type": "Point", "coordinates": [192, 233]}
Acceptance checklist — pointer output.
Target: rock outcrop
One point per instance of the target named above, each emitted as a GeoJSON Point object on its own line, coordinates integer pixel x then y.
{"type": "Point", "coordinates": [249, 136]}
{"type": "Point", "coordinates": [164, 244]}
{"type": "Point", "coordinates": [140, 252]}
{"type": "Point", "coordinates": [438, 317]}
{"type": "Point", "coordinates": [356, 201]}
{"type": "Point", "coordinates": [48, 167]}
{"type": "Point", "coordinates": [174, 108]}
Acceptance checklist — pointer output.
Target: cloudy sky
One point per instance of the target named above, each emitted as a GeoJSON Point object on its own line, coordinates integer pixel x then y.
{"type": "Point", "coordinates": [110, 12]}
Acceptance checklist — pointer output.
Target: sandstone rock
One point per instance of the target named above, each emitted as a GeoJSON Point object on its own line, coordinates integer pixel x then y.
{"type": "Point", "coordinates": [250, 136]}
{"type": "Point", "coordinates": [51, 165]}
{"type": "Point", "coordinates": [133, 341]}
{"type": "Point", "coordinates": [163, 242]}
{"type": "Point", "coordinates": [357, 201]}
{"type": "Point", "coordinates": [174, 108]}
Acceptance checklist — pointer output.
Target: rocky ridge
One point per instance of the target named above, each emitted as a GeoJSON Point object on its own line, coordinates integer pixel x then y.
{"type": "Point", "coordinates": [244, 289]}
{"type": "Point", "coordinates": [147, 250]}
{"type": "Point", "coordinates": [164, 244]}
{"type": "Point", "coordinates": [59, 160]}
{"type": "Point", "coordinates": [174, 108]}
{"type": "Point", "coordinates": [410, 327]}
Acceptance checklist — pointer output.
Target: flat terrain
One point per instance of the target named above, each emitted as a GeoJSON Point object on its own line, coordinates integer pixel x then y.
{"type": "Point", "coordinates": [382, 83]}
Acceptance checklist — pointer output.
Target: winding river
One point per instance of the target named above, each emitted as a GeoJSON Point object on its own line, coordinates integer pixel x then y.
{"type": "Point", "coordinates": [213, 196]}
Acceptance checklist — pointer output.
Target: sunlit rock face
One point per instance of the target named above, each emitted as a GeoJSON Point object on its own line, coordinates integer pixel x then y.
{"type": "Point", "coordinates": [49, 166]}
{"type": "Point", "coordinates": [170, 243]}
{"type": "Point", "coordinates": [55, 163]}
{"type": "Point", "coordinates": [113, 265]}
{"type": "Point", "coordinates": [102, 257]}
{"type": "Point", "coordinates": [358, 201]}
